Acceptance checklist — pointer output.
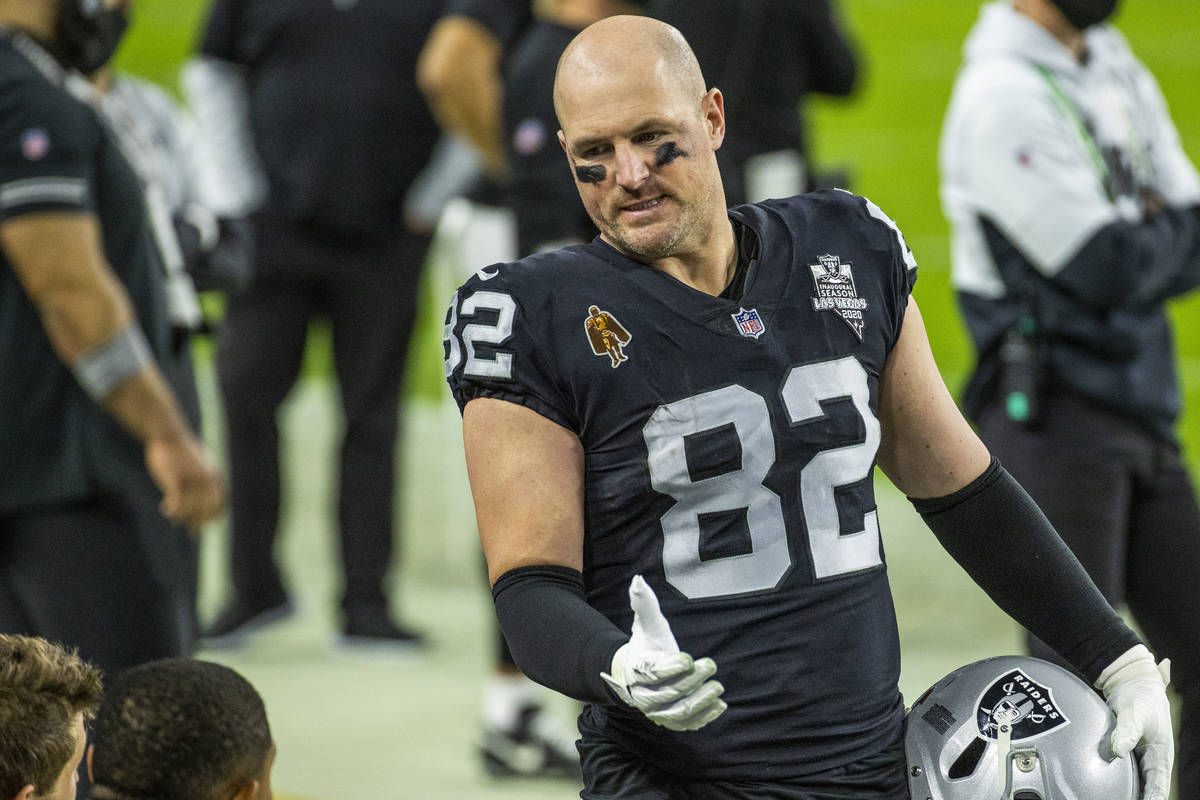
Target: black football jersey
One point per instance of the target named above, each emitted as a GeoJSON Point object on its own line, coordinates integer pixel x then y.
{"type": "Point", "coordinates": [339, 124]}
{"type": "Point", "coordinates": [729, 451]}
{"type": "Point", "coordinates": [57, 156]}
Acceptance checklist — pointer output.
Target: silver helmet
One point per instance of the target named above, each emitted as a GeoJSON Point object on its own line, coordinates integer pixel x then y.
{"type": "Point", "coordinates": [1014, 728]}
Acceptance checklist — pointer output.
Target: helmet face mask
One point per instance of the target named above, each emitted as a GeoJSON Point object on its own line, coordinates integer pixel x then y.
{"type": "Point", "coordinates": [1014, 728]}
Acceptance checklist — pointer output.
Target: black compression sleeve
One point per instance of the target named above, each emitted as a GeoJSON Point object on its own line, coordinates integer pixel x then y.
{"type": "Point", "coordinates": [556, 638]}
{"type": "Point", "coordinates": [995, 531]}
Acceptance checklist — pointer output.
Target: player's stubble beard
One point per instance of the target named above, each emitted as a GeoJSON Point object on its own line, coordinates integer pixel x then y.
{"type": "Point", "coordinates": [693, 218]}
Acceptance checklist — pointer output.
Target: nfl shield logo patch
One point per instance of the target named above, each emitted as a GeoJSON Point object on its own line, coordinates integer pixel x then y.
{"type": "Point", "coordinates": [35, 143]}
{"type": "Point", "coordinates": [749, 323]}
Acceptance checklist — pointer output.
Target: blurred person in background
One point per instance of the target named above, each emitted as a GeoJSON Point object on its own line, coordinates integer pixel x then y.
{"type": "Point", "coordinates": [766, 56]}
{"type": "Point", "coordinates": [314, 128]}
{"type": "Point", "coordinates": [461, 73]}
{"type": "Point", "coordinates": [1076, 216]}
{"type": "Point", "coordinates": [181, 729]}
{"type": "Point", "coordinates": [101, 472]}
{"type": "Point", "coordinates": [48, 694]}
{"type": "Point", "coordinates": [157, 139]}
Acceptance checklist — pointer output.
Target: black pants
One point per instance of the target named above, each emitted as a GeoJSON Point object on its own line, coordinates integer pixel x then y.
{"type": "Point", "coordinates": [368, 291]}
{"type": "Point", "coordinates": [1121, 498]}
{"type": "Point", "coordinates": [108, 576]}
{"type": "Point", "coordinates": [610, 772]}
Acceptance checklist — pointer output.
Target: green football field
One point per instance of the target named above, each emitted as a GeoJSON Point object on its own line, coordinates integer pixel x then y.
{"type": "Point", "coordinates": [383, 728]}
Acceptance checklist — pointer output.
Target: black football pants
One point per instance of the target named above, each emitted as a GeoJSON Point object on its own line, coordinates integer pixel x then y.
{"type": "Point", "coordinates": [1121, 498]}
{"type": "Point", "coordinates": [611, 772]}
{"type": "Point", "coordinates": [368, 292]}
{"type": "Point", "coordinates": [103, 575]}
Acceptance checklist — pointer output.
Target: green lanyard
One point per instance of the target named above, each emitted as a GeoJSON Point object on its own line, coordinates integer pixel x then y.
{"type": "Point", "coordinates": [1069, 111]}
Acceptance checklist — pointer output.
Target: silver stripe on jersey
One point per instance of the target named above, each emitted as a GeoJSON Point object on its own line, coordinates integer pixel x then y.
{"type": "Point", "coordinates": [43, 190]}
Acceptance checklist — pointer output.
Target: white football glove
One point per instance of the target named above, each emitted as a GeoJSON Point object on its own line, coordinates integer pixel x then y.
{"type": "Point", "coordinates": [649, 673]}
{"type": "Point", "coordinates": [1136, 690]}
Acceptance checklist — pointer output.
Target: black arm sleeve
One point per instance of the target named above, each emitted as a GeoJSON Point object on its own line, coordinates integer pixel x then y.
{"type": "Point", "coordinates": [556, 638]}
{"type": "Point", "coordinates": [1136, 264]}
{"type": "Point", "coordinates": [995, 531]}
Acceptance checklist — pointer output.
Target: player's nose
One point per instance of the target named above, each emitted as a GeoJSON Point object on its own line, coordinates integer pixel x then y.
{"type": "Point", "coordinates": [632, 167]}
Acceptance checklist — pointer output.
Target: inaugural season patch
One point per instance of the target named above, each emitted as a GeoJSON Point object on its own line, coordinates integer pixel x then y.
{"type": "Point", "coordinates": [606, 335]}
{"type": "Point", "coordinates": [1020, 702]}
{"type": "Point", "coordinates": [836, 292]}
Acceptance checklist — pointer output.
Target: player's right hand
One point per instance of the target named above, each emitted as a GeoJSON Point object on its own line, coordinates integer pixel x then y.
{"type": "Point", "coordinates": [193, 491]}
{"type": "Point", "coordinates": [650, 673]}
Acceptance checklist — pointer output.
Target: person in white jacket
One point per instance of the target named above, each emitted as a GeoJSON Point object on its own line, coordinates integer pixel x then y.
{"type": "Point", "coordinates": [1075, 217]}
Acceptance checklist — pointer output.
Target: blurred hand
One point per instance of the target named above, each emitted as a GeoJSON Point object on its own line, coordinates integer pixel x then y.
{"type": "Point", "coordinates": [193, 491]}
{"type": "Point", "coordinates": [1152, 202]}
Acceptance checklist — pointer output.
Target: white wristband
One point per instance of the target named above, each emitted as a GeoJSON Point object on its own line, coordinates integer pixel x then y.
{"type": "Point", "coordinates": [104, 367]}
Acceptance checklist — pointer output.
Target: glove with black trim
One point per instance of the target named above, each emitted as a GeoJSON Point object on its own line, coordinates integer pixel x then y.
{"type": "Point", "coordinates": [651, 674]}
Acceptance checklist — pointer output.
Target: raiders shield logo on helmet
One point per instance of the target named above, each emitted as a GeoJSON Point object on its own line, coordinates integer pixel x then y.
{"type": "Point", "coordinates": [1020, 702]}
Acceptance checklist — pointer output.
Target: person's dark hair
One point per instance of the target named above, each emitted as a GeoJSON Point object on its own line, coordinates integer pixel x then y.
{"type": "Point", "coordinates": [42, 688]}
{"type": "Point", "coordinates": [178, 729]}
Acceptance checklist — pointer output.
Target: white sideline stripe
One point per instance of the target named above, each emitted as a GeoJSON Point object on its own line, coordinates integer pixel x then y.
{"type": "Point", "coordinates": [43, 190]}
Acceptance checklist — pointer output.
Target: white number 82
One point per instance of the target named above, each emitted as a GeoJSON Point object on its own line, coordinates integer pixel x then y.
{"type": "Point", "coordinates": [769, 559]}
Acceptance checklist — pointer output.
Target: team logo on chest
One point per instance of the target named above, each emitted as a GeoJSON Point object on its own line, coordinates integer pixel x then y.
{"type": "Point", "coordinates": [836, 292]}
{"type": "Point", "coordinates": [749, 323]}
{"type": "Point", "coordinates": [1021, 703]}
{"type": "Point", "coordinates": [606, 335]}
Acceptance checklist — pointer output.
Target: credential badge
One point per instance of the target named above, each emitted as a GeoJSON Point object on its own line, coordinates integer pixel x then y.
{"type": "Point", "coordinates": [606, 335]}
{"type": "Point", "coordinates": [836, 292]}
{"type": "Point", "coordinates": [1016, 700]}
{"type": "Point", "coordinates": [748, 322]}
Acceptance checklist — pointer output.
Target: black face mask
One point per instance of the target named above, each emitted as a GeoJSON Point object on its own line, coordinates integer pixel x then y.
{"type": "Point", "coordinates": [87, 41]}
{"type": "Point", "coordinates": [1086, 13]}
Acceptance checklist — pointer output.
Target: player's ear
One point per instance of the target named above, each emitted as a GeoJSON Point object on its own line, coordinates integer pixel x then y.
{"type": "Point", "coordinates": [713, 109]}
{"type": "Point", "coordinates": [562, 140]}
{"type": "Point", "coordinates": [248, 791]}
{"type": "Point", "coordinates": [26, 793]}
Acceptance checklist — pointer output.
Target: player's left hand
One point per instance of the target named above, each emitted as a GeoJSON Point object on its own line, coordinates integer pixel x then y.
{"type": "Point", "coordinates": [651, 674]}
{"type": "Point", "coordinates": [1136, 690]}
